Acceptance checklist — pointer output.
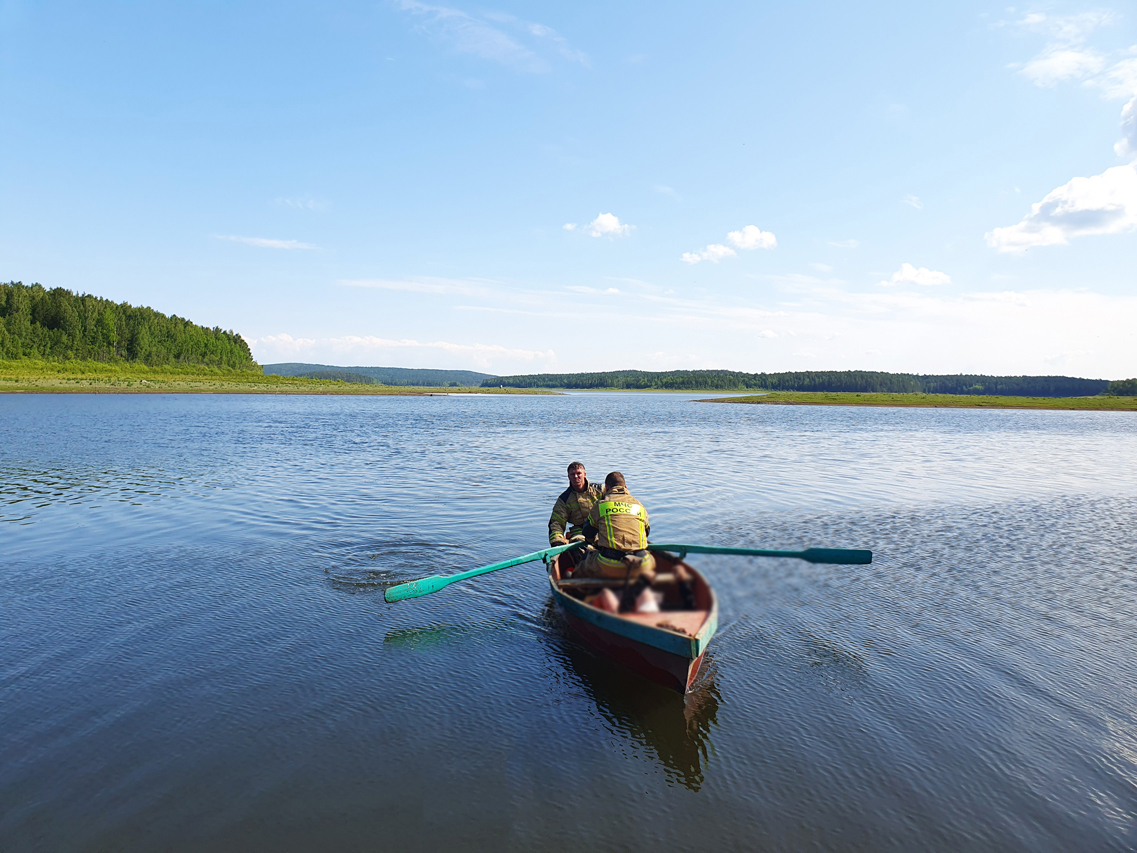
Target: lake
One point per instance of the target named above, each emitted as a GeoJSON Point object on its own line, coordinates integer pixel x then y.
{"type": "Point", "coordinates": [197, 654]}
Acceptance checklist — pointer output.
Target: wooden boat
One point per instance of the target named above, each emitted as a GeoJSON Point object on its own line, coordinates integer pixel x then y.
{"type": "Point", "coordinates": [666, 647]}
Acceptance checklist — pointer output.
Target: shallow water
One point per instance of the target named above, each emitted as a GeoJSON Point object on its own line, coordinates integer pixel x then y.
{"type": "Point", "coordinates": [196, 653]}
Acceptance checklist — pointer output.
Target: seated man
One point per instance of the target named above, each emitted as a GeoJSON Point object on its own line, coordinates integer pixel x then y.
{"type": "Point", "coordinates": [572, 507]}
{"type": "Point", "coordinates": [620, 526]}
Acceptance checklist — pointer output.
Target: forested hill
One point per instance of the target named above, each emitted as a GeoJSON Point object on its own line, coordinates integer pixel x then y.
{"type": "Point", "coordinates": [859, 381]}
{"type": "Point", "coordinates": [422, 377]}
{"type": "Point", "coordinates": [58, 325]}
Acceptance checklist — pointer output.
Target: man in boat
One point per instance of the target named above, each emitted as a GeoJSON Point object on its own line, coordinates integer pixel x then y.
{"type": "Point", "coordinates": [572, 507]}
{"type": "Point", "coordinates": [618, 526]}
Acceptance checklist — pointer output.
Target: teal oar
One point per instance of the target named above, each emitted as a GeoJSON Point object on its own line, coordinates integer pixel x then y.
{"type": "Point", "coordinates": [434, 583]}
{"type": "Point", "coordinates": [844, 556]}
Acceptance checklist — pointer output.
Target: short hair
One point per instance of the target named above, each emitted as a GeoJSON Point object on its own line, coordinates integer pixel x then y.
{"type": "Point", "coordinates": [614, 479]}
{"type": "Point", "coordinates": [574, 465]}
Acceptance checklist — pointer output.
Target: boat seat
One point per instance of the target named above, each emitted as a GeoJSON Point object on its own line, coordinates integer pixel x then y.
{"type": "Point", "coordinates": [570, 583]}
{"type": "Point", "coordinates": [680, 621]}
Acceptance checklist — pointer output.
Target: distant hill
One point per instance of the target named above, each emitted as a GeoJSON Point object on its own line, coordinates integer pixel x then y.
{"type": "Point", "coordinates": [857, 381]}
{"type": "Point", "coordinates": [58, 325]}
{"type": "Point", "coordinates": [386, 375]}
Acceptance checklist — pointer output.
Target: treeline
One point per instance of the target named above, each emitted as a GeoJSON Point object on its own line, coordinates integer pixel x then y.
{"type": "Point", "coordinates": [1122, 388]}
{"type": "Point", "coordinates": [339, 376]}
{"type": "Point", "coordinates": [410, 376]}
{"type": "Point", "coordinates": [856, 381]}
{"type": "Point", "coordinates": [58, 325]}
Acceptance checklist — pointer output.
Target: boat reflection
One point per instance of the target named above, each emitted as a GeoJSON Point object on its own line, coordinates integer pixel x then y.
{"type": "Point", "coordinates": [673, 727]}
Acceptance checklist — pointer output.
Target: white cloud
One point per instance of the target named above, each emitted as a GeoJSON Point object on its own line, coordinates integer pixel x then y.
{"type": "Point", "coordinates": [844, 244]}
{"type": "Point", "coordinates": [1101, 204]}
{"type": "Point", "coordinates": [714, 253]}
{"type": "Point", "coordinates": [662, 190]}
{"type": "Point", "coordinates": [908, 274]}
{"type": "Point", "coordinates": [1127, 145]}
{"type": "Point", "coordinates": [913, 201]}
{"type": "Point", "coordinates": [749, 238]}
{"type": "Point", "coordinates": [752, 237]}
{"type": "Point", "coordinates": [608, 225]}
{"type": "Point", "coordinates": [569, 226]}
{"type": "Point", "coordinates": [264, 243]}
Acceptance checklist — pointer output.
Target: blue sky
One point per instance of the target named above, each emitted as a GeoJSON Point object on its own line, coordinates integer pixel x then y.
{"type": "Point", "coordinates": [519, 187]}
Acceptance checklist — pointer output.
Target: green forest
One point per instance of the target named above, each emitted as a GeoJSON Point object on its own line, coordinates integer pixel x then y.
{"type": "Point", "coordinates": [403, 376]}
{"type": "Point", "coordinates": [856, 381]}
{"type": "Point", "coordinates": [1122, 388]}
{"type": "Point", "coordinates": [58, 325]}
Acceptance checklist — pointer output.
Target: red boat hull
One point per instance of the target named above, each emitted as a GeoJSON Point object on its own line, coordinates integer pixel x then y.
{"type": "Point", "coordinates": [670, 670]}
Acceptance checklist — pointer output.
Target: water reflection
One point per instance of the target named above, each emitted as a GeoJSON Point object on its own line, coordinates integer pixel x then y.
{"type": "Point", "coordinates": [675, 729]}
{"type": "Point", "coordinates": [430, 637]}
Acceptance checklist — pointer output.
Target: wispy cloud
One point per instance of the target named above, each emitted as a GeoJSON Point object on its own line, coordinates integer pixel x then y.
{"type": "Point", "coordinates": [845, 244]}
{"type": "Point", "coordinates": [912, 201]}
{"type": "Point", "coordinates": [748, 238]}
{"type": "Point", "coordinates": [302, 204]}
{"type": "Point", "coordinates": [425, 284]}
{"type": "Point", "coordinates": [264, 243]}
{"type": "Point", "coordinates": [1127, 145]}
{"type": "Point", "coordinates": [477, 36]}
{"type": "Point", "coordinates": [908, 274]}
{"type": "Point", "coordinates": [822, 267]}
{"type": "Point", "coordinates": [1066, 56]}
{"type": "Point", "coordinates": [668, 191]}
{"type": "Point", "coordinates": [580, 288]}
{"type": "Point", "coordinates": [561, 43]}
{"type": "Point", "coordinates": [364, 347]}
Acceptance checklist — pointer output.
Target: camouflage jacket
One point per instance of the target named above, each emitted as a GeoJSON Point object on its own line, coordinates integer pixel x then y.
{"type": "Point", "coordinates": [572, 509]}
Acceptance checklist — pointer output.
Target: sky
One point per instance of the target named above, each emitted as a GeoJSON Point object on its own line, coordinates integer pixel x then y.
{"type": "Point", "coordinates": [523, 187]}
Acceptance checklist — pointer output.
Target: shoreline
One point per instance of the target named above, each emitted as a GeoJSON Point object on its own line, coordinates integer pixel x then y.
{"type": "Point", "coordinates": [933, 401]}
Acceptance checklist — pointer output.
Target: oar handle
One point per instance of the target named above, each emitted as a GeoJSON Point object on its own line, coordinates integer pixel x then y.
{"type": "Point", "coordinates": [841, 556]}
{"type": "Point", "coordinates": [425, 586]}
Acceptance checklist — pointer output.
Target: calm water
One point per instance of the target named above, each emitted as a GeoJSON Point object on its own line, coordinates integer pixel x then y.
{"type": "Point", "coordinates": [196, 654]}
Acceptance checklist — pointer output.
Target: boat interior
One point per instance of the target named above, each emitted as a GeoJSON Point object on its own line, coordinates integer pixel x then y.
{"type": "Point", "coordinates": [674, 613]}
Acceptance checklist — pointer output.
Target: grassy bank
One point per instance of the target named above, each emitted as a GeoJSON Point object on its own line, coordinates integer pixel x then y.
{"type": "Point", "coordinates": [937, 401]}
{"type": "Point", "coordinates": [93, 377]}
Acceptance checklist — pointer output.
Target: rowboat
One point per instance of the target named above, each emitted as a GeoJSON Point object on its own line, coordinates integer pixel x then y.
{"type": "Point", "coordinates": [666, 647]}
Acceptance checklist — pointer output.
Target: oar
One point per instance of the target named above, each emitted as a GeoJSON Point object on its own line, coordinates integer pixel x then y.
{"type": "Point", "coordinates": [844, 556]}
{"type": "Point", "coordinates": [434, 583]}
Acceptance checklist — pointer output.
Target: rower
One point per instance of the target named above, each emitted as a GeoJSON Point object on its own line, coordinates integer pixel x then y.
{"type": "Point", "coordinates": [619, 525]}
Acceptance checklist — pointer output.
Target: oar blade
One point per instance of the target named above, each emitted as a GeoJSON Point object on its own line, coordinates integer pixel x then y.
{"type": "Point", "coordinates": [840, 556]}
{"type": "Point", "coordinates": [414, 589]}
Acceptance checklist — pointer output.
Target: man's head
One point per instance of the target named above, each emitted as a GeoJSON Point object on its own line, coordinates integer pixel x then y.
{"type": "Point", "coordinates": [613, 480]}
{"type": "Point", "coordinates": [577, 477]}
